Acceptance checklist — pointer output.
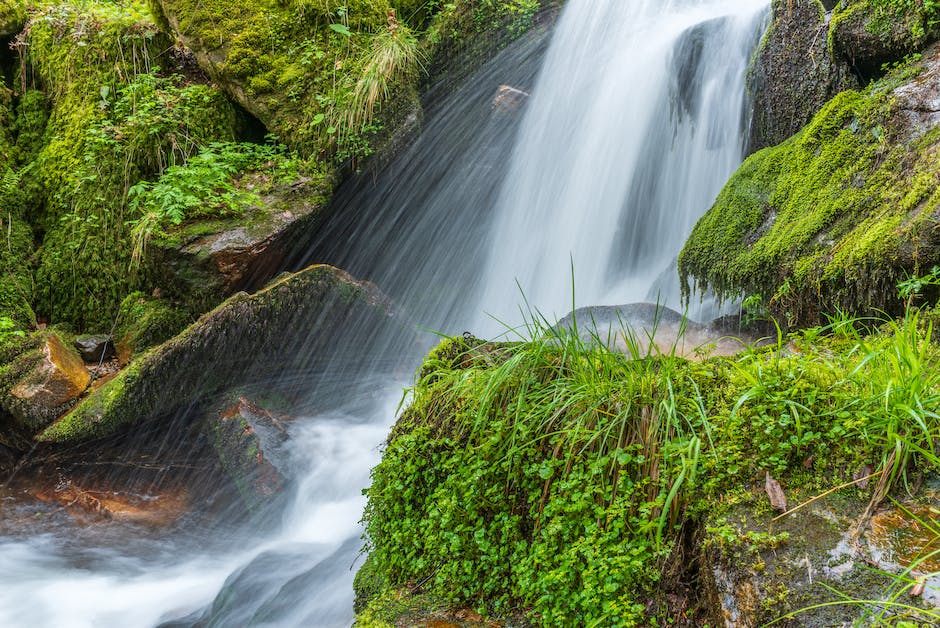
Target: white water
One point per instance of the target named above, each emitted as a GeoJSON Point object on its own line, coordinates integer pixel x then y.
{"type": "Point", "coordinates": [617, 156]}
{"type": "Point", "coordinates": [637, 123]}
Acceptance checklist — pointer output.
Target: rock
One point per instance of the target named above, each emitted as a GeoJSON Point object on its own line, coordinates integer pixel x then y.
{"type": "Point", "coordinates": [509, 99]}
{"type": "Point", "coordinates": [275, 81]}
{"type": "Point", "coordinates": [95, 501]}
{"type": "Point", "coordinates": [838, 215]}
{"type": "Point", "coordinates": [247, 339]}
{"type": "Point", "coordinates": [203, 262]}
{"type": "Point", "coordinates": [792, 75]}
{"type": "Point", "coordinates": [755, 571]}
{"type": "Point", "coordinates": [54, 379]}
{"type": "Point", "coordinates": [95, 348]}
{"type": "Point", "coordinates": [246, 438]}
{"type": "Point", "coordinates": [854, 39]}
{"type": "Point", "coordinates": [630, 328]}
{"type": "Point", "coordinates": [145, 321]}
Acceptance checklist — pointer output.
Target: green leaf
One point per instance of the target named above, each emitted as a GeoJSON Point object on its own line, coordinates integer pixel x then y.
{"type": "Point", "coordinates": [342, 29]}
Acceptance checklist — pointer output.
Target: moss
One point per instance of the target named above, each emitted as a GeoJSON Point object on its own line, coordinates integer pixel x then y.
{"type": "Point", "coordinates": [535, 475]}
{"type": "Point", "coordinates": [832, 218]}
{"type": "Point", "coordinates": [860, 34]}
{"type": "Point", "coordinates": [12, 17]}
{"type": "Point", "coordinates": [113, 121]}
{"type": "Point", "coordinates": [292, 64]}
{"type": "Point", "coordinates": [145, 321]}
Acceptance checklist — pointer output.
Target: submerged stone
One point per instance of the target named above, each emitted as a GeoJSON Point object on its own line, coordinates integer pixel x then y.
{"type": "Point", "coordinates": [246, 438]}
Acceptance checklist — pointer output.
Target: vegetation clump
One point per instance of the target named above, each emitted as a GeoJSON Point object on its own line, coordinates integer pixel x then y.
{"type": "Point", "coordinates": [554, 478]}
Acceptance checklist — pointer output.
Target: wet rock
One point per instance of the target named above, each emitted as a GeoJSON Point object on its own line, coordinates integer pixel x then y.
{"type": "Point", "coordinates": [838, 215]}
{"type": "Point", "coordinates": [93, 502]}
{"type": "Point", "coordinates": [248, 439]}
{"type": "Point", "coordinates": [635, 328]}
{"type": "Point", "coordinates": [509, 98]}
{"type": "Point", "coordinates": [756, 571]}
{"type": "Point", "coordinates": [202, 263]}
{"type": "Point", "coordinates": [95, 348]}
{"type": "Point", "coordinates": [50, 381]}
{"type": "Point", "coordinates": [249, 338]}
{"type": "Point", "coordinates": [793, 74]}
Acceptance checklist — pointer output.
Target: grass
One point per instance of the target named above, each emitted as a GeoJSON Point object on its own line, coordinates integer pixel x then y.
{"type": "Point", "coordinates": [396, 55]}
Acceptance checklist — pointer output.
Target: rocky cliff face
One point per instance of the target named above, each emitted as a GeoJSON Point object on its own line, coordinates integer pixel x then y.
{"type": "Point", "coordinates": [793, 74]}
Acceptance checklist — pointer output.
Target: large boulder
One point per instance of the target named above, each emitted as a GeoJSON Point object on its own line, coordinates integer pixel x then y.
{"type": "Point", "coordinates": [837, 216]}
{"type": "Point", "coordinates": [249, 338]}
{"type": "Point", "coordinates": [792, 74]}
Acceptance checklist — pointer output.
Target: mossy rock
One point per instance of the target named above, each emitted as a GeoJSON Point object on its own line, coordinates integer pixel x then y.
{"type": "Point", "coordinates": [43, 380]}
{"type": "Point", "coordinates": [248, 440]}
{"type": "Point", "coordinates": [808, 566]}
{"type": "Point", "coordinates": [291, 64]}
{"type": "Point", "coordinates": [248, 338]}
{"type": "Point", "coordinates": [868, 44]}
{"type": "Point", "coordinates": [792, 74]}
{"type": "Point", "coordinates": [145, 321]}
{"type": "Point", "coordinates": [836, 216]}
{"type": "Point", "coordinates": [201, 262]}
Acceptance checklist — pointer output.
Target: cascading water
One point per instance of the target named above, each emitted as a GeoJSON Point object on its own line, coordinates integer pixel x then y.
{"type": "Point", "coordinates": [637, 122]}
{"type": "Point", "coordinates": [634, 124]}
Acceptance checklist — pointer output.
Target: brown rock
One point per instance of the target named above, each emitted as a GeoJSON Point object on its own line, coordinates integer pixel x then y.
{"type": "Point", "coordinates": [241, 434]}
{"type": "Point", "coordinates": [50, 388]}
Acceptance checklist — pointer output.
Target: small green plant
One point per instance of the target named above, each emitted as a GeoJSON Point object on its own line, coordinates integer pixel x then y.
{"type": "Point", "coordinates": [205, 186]}
{"type": "Point", "coordinates": [753, 310]}
{"type": "Point", "coordinates": [8, 329]}
{"type": "Point", "coordinates": [395, 55]}
{"type": "Point", "coordinates": [913, 287]}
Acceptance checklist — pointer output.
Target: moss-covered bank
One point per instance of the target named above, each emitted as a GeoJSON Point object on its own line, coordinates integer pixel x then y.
{"type": "Point", "coordinates": [563, 482]}
{"type": "Point", "coordinates": [836, 216]}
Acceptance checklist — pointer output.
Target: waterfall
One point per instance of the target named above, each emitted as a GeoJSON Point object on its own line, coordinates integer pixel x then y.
{"type": "Point", "coordinates": [633, 123]}
{"type": "Point", "coordinates": [637, 122]}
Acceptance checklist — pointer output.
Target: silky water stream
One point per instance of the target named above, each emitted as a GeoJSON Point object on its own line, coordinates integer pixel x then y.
{"type": "Point", "coordinates": [636, 118]}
